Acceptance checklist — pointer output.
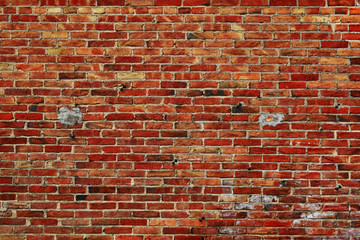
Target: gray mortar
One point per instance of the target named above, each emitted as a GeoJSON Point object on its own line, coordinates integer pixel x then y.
{"type": "Point", "coordinates": [271, 119]}
{"type": "Point", "coordinates": [70, 117]}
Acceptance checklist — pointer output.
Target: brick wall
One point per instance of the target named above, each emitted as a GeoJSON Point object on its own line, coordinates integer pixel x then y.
{"type": "Point", "coordinates": [179, 119]}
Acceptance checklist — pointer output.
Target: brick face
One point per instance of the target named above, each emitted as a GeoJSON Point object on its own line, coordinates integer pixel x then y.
{"type": "Point", "coordinates": [185, 119]}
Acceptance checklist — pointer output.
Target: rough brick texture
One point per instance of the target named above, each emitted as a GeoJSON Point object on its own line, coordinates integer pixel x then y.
{"type": "Point", "coordinates": [180, 120]}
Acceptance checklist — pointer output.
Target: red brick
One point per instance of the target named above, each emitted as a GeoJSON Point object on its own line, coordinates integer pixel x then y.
{"type": "Point", "coordinates": [283, 2]}
{"type": "Point", "coordinates": [225, 2]}
{"type": "Point", "coordinates": [82, 2]}
{"type": "Point", "coordinates": [196, 2]}
{"type": "Point", "coordinates": [254, 2]}
{"type": "Point", "coordinates": [53, 2]}
{"type": "Point", "coordinates": [25, 2]}
{"type": "Point", "coordinates": [341, 2]}
{"type": "Point", "coordinates": [312, 3]}
{"type": "Point", "coordinates": [167, 3]}
{"type": "Point", "coordinates": [110, 2]}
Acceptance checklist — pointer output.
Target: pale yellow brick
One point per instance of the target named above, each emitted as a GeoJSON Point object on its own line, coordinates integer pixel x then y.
{"type": "Point", "coordinates": [131, 75]}
{"type": "Point", "coordinates": [101, 75]}
{"type": "Point", "coordinates": [54, 51]}
{"type": "Point", "coordinates": [117, 10]}
{"type": "Point", "coordinates": [55, 35]}
{"type": "Point", "coordinates": [70, 10]}
{"type": "Point", "coordinates": [237, 27]}
{"type": "Point", "coordinates": [233, 198]}
{"type": "Point", "coordinates": [334, 61]}
{"type": "Point", "coordinates": [83, 18]}
{"type": "Point", "coordinates": [60, 51]}
{"type": "Point", "coordinates": [84, 10]}
{"type": "Point", "coordinates": [316, 19]}
{"type": "Point", "coordinates": [298, 11]}
{"type": "Point", "coordinates": [98, 10]}
{"type": "Point", "coordinates": [24, 165]}
{"type": "Point", "coordinates": [55, 10]}
{"type": "Point", "coordinates": [226, 10]}
{"type": "Point", "coordinates": [6, 67]}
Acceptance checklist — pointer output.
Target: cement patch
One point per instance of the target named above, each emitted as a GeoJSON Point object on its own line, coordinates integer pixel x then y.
{"type": "Point", "coordinates": [70, 117]}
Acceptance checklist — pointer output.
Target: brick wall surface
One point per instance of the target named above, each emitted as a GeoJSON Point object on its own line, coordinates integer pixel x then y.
{"type": "Point", "coordinates": [179, 119]}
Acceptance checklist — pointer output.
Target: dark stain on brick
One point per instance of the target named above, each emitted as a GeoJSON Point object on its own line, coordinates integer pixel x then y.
{"type": "Point", "coordinates": [354, 151]}
{"type": "Point", "coordinates": [283, 183]}
{"type": "Point", "coordinates": [192, 36]}
{"type": "Point", "coordinates": [175, 162]}
{"type": "Point", "coordinates": [39, 125]}
{"type": "Point", "coordinates": [215, 93]}
{"type": "Point", "coordinates": [174, 134]}
{"type": "Point", "coordinates": [109, 67]}
{"type": "Point", "coordinates": [355, 77]}
{"type": "Point", "coordinates": [267, 207]}
{"type": "Point", "coordinates": [76, 179]}
{"type": "Point", "coordinates": [353, 118]}
{"type": "Point", "coordinates": [160, 158]}
{"type": "Point", "coordinates": [42, 141]}
{"type": "Point", "coordinates": [33, 108]}
{"type": "Point", "coordinates": [102, 189]}
{"type": "Point", "coordinates": [256, 12]}
{"type": "Point", "coordinates": [287, 53]}
{"type": "Point", "coordinates": [104, 92]}
{"type": "Point", "coordinates": [121, 87]}
{"type": "Point", "coordinates": [355, 93]}
{"type": "Point", "coordinates": [355, 61]}
{"type": "Point", "coordinates": [237, 108]}
{"type": "Point", "coordinates": [81, 197]}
